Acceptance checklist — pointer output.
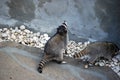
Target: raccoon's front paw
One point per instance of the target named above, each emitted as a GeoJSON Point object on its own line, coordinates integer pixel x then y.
{"type": "Point", "coordinates": [39, 70]}
{"type": "Point", "coordinates": [63, 62]}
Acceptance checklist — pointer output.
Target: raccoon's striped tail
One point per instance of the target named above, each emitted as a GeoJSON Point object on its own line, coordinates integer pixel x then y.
{"type": "Point", "coordinates": [78, 55]}
{"type": "Point", "coordinates": [43, 63]}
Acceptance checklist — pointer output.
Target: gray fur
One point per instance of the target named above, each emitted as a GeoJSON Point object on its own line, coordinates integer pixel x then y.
{"type": "Point", "coordinates": [96, 50]}
{"type": "Point", "coordinates": [55, 47]}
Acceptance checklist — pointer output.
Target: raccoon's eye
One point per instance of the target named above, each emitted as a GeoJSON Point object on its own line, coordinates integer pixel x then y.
{"type": "Point", "coordinates": [65, 30]}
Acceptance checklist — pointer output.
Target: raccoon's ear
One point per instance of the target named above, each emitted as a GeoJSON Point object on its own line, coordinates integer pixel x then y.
{"type": "Point", "coordinates": [64, 24]}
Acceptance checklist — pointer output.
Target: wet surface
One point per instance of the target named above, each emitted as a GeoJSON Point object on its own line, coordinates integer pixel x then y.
{"type": "Point", "coordinates": [19, 62]}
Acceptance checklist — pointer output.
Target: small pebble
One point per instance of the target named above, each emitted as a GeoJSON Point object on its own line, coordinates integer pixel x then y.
{"type": "Point", "coordinates": [115, 63]}
{"type": "Point", "coordinates": [5, 29]}
{"type": "Point", "coordinates": [4, 35]}
{"type": "Point", "coordinates": [22, 27]}
{"type": "Point", "coordinates": [27, 31]}
{"type": "Point", "coordinates": [115, 60]}
{"type": "Point", "coordinates": [0, 30]}
{"type": "Point", "coordinates": [16, 29]}
{"type": "Point", "coordinates": [86, 66]}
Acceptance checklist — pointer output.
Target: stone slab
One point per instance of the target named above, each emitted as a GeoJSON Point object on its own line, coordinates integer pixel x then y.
{"type": "Point", "coordinates": [18, 63]}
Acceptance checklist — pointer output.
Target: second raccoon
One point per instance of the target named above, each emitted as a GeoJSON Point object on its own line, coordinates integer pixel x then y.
{"type": "Point", "coordinates": [96, 50]}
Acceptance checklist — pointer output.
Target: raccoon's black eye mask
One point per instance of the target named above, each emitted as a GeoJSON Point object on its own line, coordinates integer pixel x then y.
{"type": "Point", "coordinates": [61, 30]}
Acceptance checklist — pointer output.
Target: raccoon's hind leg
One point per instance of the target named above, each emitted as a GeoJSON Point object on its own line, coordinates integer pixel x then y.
{"type": "Point", "coordinates": [90, 62]}
{"type": "Point", "coordinates": [43, 62]}
{"type": "Point", "coordinates": [59, 59]}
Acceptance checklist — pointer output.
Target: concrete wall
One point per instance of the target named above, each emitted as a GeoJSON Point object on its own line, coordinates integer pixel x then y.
{"type": "Point", "coordinates": [87, 19]}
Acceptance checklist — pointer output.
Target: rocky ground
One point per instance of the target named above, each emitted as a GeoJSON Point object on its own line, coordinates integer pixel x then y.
{"type": "Point", "coordinates": [20, 62]}
{"type": "Point", "coordinates": [37, 40]}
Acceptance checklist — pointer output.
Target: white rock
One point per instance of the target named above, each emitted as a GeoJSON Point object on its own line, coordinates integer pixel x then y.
{"type": "Point", "coordinates": [13, 36]}
{"type": "Point", "coordinates": [86, 43]}
{"type": "Point", "coordinates": [34, 34]}
{"type": "Point", "coordinates": [23, 33]}
{"type": "Point", "coordinates": [0, 30]}
{"type": "Point", "coordinates": [107, 65]}
{"type": "Point", "coordinates": [41, 45]}
{"type": "Point", "coordinates": [101, 64]}
{"type": "Point", "coordinates": [19, 31]}
{"type": "Point", "coordinates": [31, 40]}
{"type": "Point", "coordinates": [70, 56]}
{"type": "Point", "coordinates": [45, 35]}
{"type": "Point", "coordinates": [20, 37]}
{"type": "Point", "coordinates": [115, 60]}
{"type": "Point", "coordinates": [23, 42]}
{"type": "Point", "coordinates": [4, 35]}
{"type": "Point", "coordinates": [41, 36]}
{"type": "Point", "coordinates": [103, 61]}
{"type": "Point", "coordinates": [38, 34]}
{"type": "Point", "coordinates": [116, 70]}
{"type": "Point", "coordinates": [1, 40]}
{"type": "Point", "coordinates": [68, 51]}
{"type": "Point", "coordinates": [5, 29]}
{"type": "Point", "coordinates": [67, 55]}
{"type": "Point", "coordinates": [113, 68]}
{"type": "Point", "coordinates": [117, 67]}
{"type": "Point", "coordinates": [16, 29]}
{"type": "Point", "coordinates": [112, 65]}
{"type": "Point", "coordinates": [31, 32]}
{"type": "Point", "coordinates": [115, 63]}
{"type": "Point", "coordinates": [16, 40]}
{"type": "Point", "coordinates": [27, 31]}
{"type": "Point", "coordinates": [97, 63]}
{"type": "Point", "coordinates": [35, 38]}
{"type": "Point", "coordinates": [118, 57]}
{"type": "Point", "coordinates": [43, 41]}
{"type": "Point", "coordinates": [47, 38]}
{"type": "Point", "coordinates": [8, 32]}
{"type": "Point", "coordinates": [79, 43]}
{"type": "Point", "coordinates": [22, 27]}
{"type": "Point", "coordinates": [9, 37]}
{"type": "Point", "coordinates": [13, 31]}
{"type": "Point", "coordinates": [28, 35]}
{"type": "Point", "coordinates": [31, 35]}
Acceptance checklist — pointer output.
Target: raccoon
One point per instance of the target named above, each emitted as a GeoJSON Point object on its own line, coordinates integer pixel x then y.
{"type": "Point", "coordinates": [55, 47]}
{"type": "Point", "coordinates": [97, 50]}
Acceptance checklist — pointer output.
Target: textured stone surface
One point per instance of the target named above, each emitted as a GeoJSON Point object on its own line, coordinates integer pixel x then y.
{"type": "Point", "coordinates": [87, 20]}
{"type": "Point", "coordinates": [19, 62]}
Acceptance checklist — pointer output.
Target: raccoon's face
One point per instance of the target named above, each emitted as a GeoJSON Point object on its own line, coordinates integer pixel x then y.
{"type": "Point", "coordinates": [62, 29]}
